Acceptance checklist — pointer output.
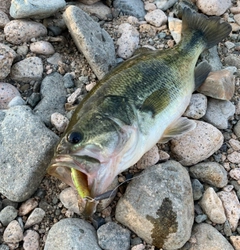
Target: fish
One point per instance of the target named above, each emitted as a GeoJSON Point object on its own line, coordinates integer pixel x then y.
{"type": "Point", "coordinates": [136, 105]}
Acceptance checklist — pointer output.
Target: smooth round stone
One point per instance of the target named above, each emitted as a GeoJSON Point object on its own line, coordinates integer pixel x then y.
{"type": "Point", "coordinates": [7, 93]}
{"type": "Point", "coordinates": [42, 47]}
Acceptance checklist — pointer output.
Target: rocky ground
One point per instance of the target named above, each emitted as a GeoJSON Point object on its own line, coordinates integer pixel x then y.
{"type": "Point", "coordinates": [181, 195]}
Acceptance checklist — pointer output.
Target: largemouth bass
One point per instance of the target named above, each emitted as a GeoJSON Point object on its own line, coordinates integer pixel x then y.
{"type": "Point", "coordinates": [136, 105]}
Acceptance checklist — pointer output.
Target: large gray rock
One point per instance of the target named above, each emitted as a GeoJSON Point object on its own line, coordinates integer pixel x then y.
{"type": "Point", "coordinates": [206, 237]}
{"type": "Point", "coordinates": [72, 233]}
{"type": "Point", "coordinates": [158, 206]}
{"type": "Point", "coordinates": [93, 41]}
{"type": "Point", "coordinates": [25, 150]}
{"type": "Point", "coordinates": [53, 97]}
{"type": "Point", "coordinates": [130, 7]}
{"type": "Point", "coordinates": [35, 8]}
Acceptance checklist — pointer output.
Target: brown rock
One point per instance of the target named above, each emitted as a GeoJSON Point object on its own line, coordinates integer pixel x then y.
{"type": "Point", "coordinates": [5, 6]}
{"type": "Point", "coordinates": [7, 93]}
{"type": "Point", "coordinates": [3, 19]}
{"type": "Point", "coordinates": [219, 85]}
{"type": "Point", "coordinates": [27, 206]}
{"type": "Point", "coordinates": [148, 29]}
{"type": "Point", "coordinates": [235, 241]}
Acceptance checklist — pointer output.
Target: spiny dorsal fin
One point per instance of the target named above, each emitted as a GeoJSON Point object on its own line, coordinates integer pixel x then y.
{"type": "Point", "coordinates": [179, 127]}
{"type": "Point", "coordinates": [201, 73]}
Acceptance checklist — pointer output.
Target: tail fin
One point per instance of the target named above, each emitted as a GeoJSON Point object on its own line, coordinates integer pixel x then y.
{"type": "Point", "coordinates": [210, 29]}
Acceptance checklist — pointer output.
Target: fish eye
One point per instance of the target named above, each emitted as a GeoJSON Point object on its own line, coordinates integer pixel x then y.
{"type": "Point", "coordinates": [75, 137]}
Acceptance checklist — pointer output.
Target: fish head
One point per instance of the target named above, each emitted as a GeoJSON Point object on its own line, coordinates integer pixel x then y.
{"type": "Point", "coordinates": [91, 149]}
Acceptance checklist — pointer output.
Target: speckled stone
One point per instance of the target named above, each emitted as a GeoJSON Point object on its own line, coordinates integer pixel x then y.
{"type": "Point", "coordinates": [3, 19]}
{"type": "Point", "coordinates": [7, 93]}
{"type": "Point", "coordinates": [42, 47]}
{"type": "Point", "coordinates": [156, 17]}
{"type": "Point", "coordinates": [6, 60]}
{"type": "Point", "coordinates": [13, 233]}
{"type": "Point", "coordinates": [31, 240]}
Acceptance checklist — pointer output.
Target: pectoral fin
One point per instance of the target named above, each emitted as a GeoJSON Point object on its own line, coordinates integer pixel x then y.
{"type": "Point", "coordinates": [201, 73]}
{"type": "Point", "coordinates": [181, 126]}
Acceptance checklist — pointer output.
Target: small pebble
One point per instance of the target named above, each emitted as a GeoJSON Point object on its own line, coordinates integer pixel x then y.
{"type": "Point", "coordinates": [7, 215]}
{"type": "Point", "coordinates": [234, 157]}
{"type": "Point", "coordinates": [68, 80]}
{"type": "Point", "coordinates": [42, 47]}
{"type": "Point", "coordinates": [35, 217]}
{"type": "Point", "coordinates": [156, 17]}
{"type": "Point", "coordinates": [31, 240]}
{"type": "Point", "coordinates": [197, 189]}
{"type": "Point", "coordinates": [59, 121]}
{"type": "Point", "coordinates": [200, 218]}
{"type": "Point", "coordinates": [235, 174]}
{"type": "Point", "coordinates": [13, 233]}
{"type": "Point", "coordinates": [27, 206]}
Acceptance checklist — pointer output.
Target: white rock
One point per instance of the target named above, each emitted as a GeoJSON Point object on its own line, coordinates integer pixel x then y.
{"type": "Point", "coordinates": [42, 47]}
{"type": "Point", "coordinates": [31, 240]}
{"type": "Point", "coordinates": [234, 157]}
{"type": "Point", "coordinates": [35, 217]}
{"type": "Point", "coordinates": [27, 70]}
{"type": "Point", "coordinates": [156, 18]}
{"type": "Point", "coordinates": [213, 7]}
{"type": "Point", "coordinates": [232, 207]}
{"type": "Point", "coordinates": [149, 6]}
{"type": "Point", "coordinates": [197, 145]}
{"type": "Point", "coordinates": [128, 42]}
{"type": "Point", "coordinates": [175, 27]}
{"type": "Point", "coordinates": [90, 86]}
{"type": "Point", "coordinates": [197, 107]}
{"type": "Point", "coordinates": [3, 19]}
{"type": "Point", "coordinates": [165, 4]}
{"type": "Point", "coordinates": [59, 121]}
{"type": "Point", "coordinates": [235, 174]}
{"type": "Point", "coordinates": [212, 206]}
{"type": "Point", "coordinates": [235, 144]}
{"type": "Point", "coordinates": [37, 9]}
{"type": "Point", "coordinates": [19, 31]}
{"type": "Point", "coordinates": [73, 97]}
{"type": "Point", "coordinates": [13, 233]}
{"type": "Point", "coordinates": [27, 206]}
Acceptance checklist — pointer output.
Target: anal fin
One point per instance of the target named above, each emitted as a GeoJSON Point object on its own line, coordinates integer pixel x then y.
{"type": "Point", "coordinates": [201, 73]}
{"type": "Point", "coordinates": [179, 127]}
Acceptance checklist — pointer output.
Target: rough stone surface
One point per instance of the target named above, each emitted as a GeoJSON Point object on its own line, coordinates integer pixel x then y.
{"type": "Point", "coordinates": [6, 60]}
{"type": "Point", "coordinates": [19, 31]}
{"type": "Point", "coordinates": [212, 57]}
{"type": "Point", "coordinates": [94, 42]}
{"type": "Point", "coordinates": [113, 236]}
{"type": "Point", "coordinates": [27, 70]}
{"type": "Point", "coordinates": [8, 214]}
{"type": "Point", "coordinates": [197, 189]}
{"type": "Point", "coordinates": [42, 47]}
{"type": "Point", "coordinates": [234, 157]}
{"type": "Point", "coordinates": [156, 17]}
{"type": "Point", "coordinates": [72, 234]}
{"type": "Point", "coordinates": [212, 206]}
{"type": "Point", "coordinates": [232, 207]}
{"type": "Point", "coordinates": [5, 5]}
{"type": "Point", "coordinates": [219, 85]}
{"type": "Point", "coordinates": [210, 172]}
{"type": "Point", "coordinates": [3, 19]}
{"type": "Point", "coordinates": [13, 232]}
{"type": "Point", "coordinates": [235, 173]}
{"type": "Point", "coordinates": [59, 121]}
{"type": "Point", "coordinates": [197, 145]}
{"type": "Point", "coordinates": [37, 9]}
{"type": "Point", "coordinates": [130, 7]}
{"type": "Point", "coordinates": [35, 217]}
{"type": "Point", "coordinates": [31, 240]}
{"type": "Point", "coordinates": [29, 149]}
{"type": "Point", "coordinates": [175, 27]}
{"type": "Point", "coordinates": [213, 7]}
{"type": "Point", "coordinates": [235, 241]}
{"type": "Point", "coordinates": [53, 98]}
{"type": "Point", "coordinates": [128, 41]}
{"type": "Point", "coordinates": [165, 4]}
{"type": "Point", "coordinates": [158, 207]}
{"type": "Point", "coordinates": [206, 237]}
{"type": "Point", "coordinates": [27, 206]}
{"type": "Point", "coordinates": [232, 60]}
{"type": "Point", "coordinates": [197, 107]}
{"type": "Point", "coordinates": [218, 112]}
{"type": "Point", "coordinates": [7, 93]}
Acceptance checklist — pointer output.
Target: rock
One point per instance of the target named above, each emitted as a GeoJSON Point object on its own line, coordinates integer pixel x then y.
{"type": "Point", "coordinates": [89, 2]}
{"type": "Point", "coordinates": [218, 113]}
{"type": "Point", "coordinates": [4, 247]}
{"type": "Point", "coordinates": [213, 7]}
{"type": "Point", "coordinates": [97, 9]}
{"type": "Point", "coordinates": [72, 233]}
{"type": "Point", "coordinates": [206, 237]}
{"type": "Point", "coordinates": [42, 47]}
{"type": "Point", "coordinates": [212, 57]}
{"type": "Point", "coordinates": [130, 7]}
{"type": "Point", "coordinates": [235, 240]}
{"type": "Point", "coordinates": [5, 5]}
{"type": "Point", "coordinates": [231, 206]}
{"type": "Point", "coordinates": [234, 157]}
{"type": "Point", "coordinates": [59, 121]}
{"type": "Point", "coordinates": [237, 18]}
{"type": "Point", "coordinates": [158, 207]}
{"type": "Point", "coordinates": [149, 6]}
{"type": "Point", "coordinates": [197, 107]}
{"type": "Point", "coordinates": [6, 60]}
{"type": "Point", "coordinates": [236, 129]}
{"type": "Point", "coordinates": [27, 70]}
{"type": "Point", "coordinates": [235, 174]}
{"type": "Point", "coordinates": [55, 59]}
{"type": "Point", "coordinates": [34, 99]}
{"type": "Point", "coordinates": [7, 93]}
{"type": "Point", "coordinates": [175, 27]}
{"type": "Point", "coordinates": [197, 189]}
{"type": "Point", "coordinates": [148, 29]}
{"type": "Point", "coordinates": [8, 214]}
{"type": "Point", "coordinates": [25, 152]}
{"type": "Point", "coordinates": [35, 217]}
{"type": "Point", "coordinates": [36, 9]}
{"type": "Point", "coordinates": [210, 172]}
{"type": "Point", "coordinates": [19, 31]}
{"type": "Point", "coordinates": [3, 19]}
{"type": "Point", "coordinates": [13, 233]}
{"type": "Point", "coordinates": [53, 97]}
{"type": "Point", "coordinates": [128, 42]}
{"type": "Point", "coordinates": [27, 206]}
{"type": "Point", "coordinates": [17, 100]}
{"type": "Point", "coordinates": [31, 240]}
{"type": "Point", "coordinates": [150, 158]}
{"type": "Point", "coordinates": [232, 60]}
{"type": "Point", "coordinates": [197, 145]}
{"type": "Point", "coordinates": [22, 50]}
{"type": "Point", "coordinates": [219, 85]}
{"type": "Point", "coordinates": [212, 206]}
{"type": "Point", "coordinates": [68, 80]}
{"type": "Point", "coordinates": [156, 17]}
{"type": "Point", "coordinates": [165, 4]}
{"type": "Point", "coordinates": [113, 236]}
{"type": "Point", "coordinates": [94, 42]}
